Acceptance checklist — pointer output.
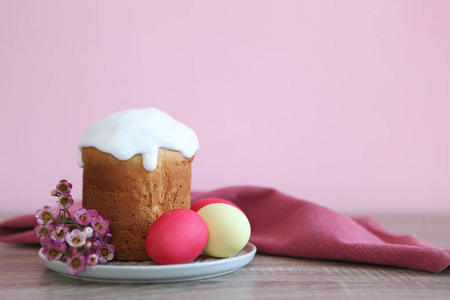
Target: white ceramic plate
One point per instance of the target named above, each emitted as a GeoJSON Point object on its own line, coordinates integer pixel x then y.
{"type": "Point", "coordinates": [148, 271]}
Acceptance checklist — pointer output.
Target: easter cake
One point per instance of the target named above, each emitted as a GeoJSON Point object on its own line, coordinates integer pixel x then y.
{"type": "Point", "coordinates": [136, 167]}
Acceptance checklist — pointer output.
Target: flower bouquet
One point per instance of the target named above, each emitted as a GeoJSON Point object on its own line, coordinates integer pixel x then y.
{"type": "Point", "coordinates": [79, 240]}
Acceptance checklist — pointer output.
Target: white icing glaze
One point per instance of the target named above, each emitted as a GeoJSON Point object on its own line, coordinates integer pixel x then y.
{"type": "Point", "coordinates": [139, 131]}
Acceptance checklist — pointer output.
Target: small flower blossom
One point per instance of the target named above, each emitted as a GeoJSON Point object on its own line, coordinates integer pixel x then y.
{"type": "Point", "coordinates": [55, 193]}
{"type": "Point", "coordinates": [76, 264]}
{"type": "Point", "coordinates": [92, 259]}
{"type": "Point", "coordinates": [45, 215]}
{"type": "Point", "coordinates": [53, 254]}
{"type": "Point", "coordinates": [92, 245]}
{"type": "Point", "coordinates": [54, 250]}
{"type": "Point", "coordinates": [76, 238]}
{"type": "Point", "coordinates": [46, 242]}
{"type": "Point", "coordinates": [84, 216]}
{"type": "Point", "coordinates": [107, 237]}
{"type": "Point", "coordinates": [65, 201]}
{"type": "Point", "coordinates": [106, 253]}
{"type": "Point", "coordinates": [72, 251]}
{"type": "Point", "coordinates": [87, 247]}
{"type": "Point", "coordinates": [64, 187]}
{"type": "Point", "coordinates": [43, 230]}
{"type": "Point", "coordinates": [100, 226]}
{"type": "Point", "coordinates": [59, 234]}
{"type": "Point", "coordinates": [88, 231]}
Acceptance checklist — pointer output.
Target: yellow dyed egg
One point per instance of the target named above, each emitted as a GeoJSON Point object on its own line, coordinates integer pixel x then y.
{"type": "Point", "coordinates": [228, 229]}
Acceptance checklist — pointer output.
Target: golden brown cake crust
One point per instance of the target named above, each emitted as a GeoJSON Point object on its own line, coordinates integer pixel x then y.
{"type": "Point", "coordinates": [132, 198]}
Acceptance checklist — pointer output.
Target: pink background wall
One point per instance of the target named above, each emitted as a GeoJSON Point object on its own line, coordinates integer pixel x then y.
{"type": "Point", "coordinates": [344, 103]}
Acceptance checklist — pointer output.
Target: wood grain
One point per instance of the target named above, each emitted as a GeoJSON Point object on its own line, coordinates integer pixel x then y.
{"type": "Point", "coordinates": [266, 277]}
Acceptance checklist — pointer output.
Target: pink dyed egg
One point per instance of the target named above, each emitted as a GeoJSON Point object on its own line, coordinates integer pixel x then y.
{"type": "Point", "coordinates": [177, 237]}
{"type": "Point", "coordinates": [201, 203]}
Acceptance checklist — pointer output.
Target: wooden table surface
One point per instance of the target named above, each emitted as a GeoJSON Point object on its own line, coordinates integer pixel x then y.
{"type": "Point", "coordinates": [23, 276]}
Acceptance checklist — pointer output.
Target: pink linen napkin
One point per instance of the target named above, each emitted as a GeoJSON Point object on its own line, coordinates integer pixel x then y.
{"type": "Point", "coordinates": [284, 225]}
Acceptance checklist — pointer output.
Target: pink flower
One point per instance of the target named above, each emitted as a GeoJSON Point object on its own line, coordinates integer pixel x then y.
{"type": "Point", "coordinates": [92, 245]}
{"type": "Point", "coordinates": [64, 187]}
{"type": "Point", "coordinates": [72, 251]}
{"type": "Point", "coordinates": [87, 247]}
{"type": "Point", "coordinates": [76, 264]}
{"type": "Point", "coordinates": [106, 253]}
{"type": "Point", "coordinates": [65, 201]}
{"type": "Point", "coordinates": [45, 215]}
{"type": "Point", "coordinates": [53, 250]}
{"type": "Point", "coordinates": [100, 226]}
{"type": "Point", "coordinates": [59, 233]}
{"type": "Point", "coordinates": [46, 242]}
{"type": "Point", "coordinates": [43, 230]}
{"type": "Point", "coordinates": [55, 193]}
{"type": "Point", "coordinates": [84, 217]}
{"type": "Point", "coordinates": [76, 238]}
{"type": "Point", "coordinates": [107, 238]}
{"type": "Point", "coordinates": [92, 259]}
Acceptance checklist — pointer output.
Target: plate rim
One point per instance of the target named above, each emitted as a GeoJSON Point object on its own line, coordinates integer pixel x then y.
{"type": "Point", "coordinates": [223, 266]}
